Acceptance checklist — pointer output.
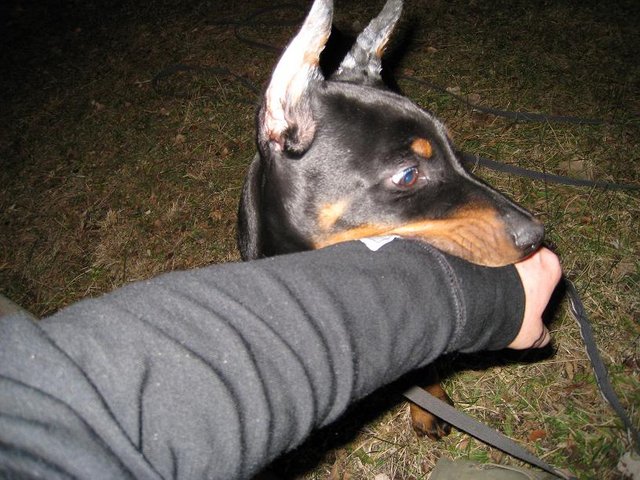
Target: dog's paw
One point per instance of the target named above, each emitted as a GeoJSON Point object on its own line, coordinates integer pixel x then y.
{"type": "Point", "coordinates": [427, 424]}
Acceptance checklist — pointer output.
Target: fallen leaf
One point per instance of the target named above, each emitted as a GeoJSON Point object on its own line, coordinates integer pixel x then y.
{"type": "Point", "coordinates": [572, 452]}
{"type": "Point", "coordinates": [574, 386]}
{"type": "Point", "coordinates": [496, 456]}
{"type": "Point", "coordinates": [578, 168]}
{"type": "Point", "coordinates": [479, 118]}
{"type": "Point", "coordinates": [570, 370]}
{"type": "Point", "coordinates": [622, 269]}
{"type": "Point", "coordinates": [97, 106]}
{"type": "Point", "coordinates": [535, 435]}
{"type": "Point", "coordinates": [474, 98]}
{"type": "Point", "coordinates": [629, 465]}
{"type": "Point", "coordinates": [632, 362]}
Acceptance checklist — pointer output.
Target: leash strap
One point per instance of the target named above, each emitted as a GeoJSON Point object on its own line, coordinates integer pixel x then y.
{"type": "Point", "coordinates": [599, 369]}
{"type": "Point", "coordinates": [500, 441]}
{"type": "Point", "coordinates": [482, 432]}
{"type": "Point", "coordinates": [473, 160]}
{"type": "Point", "coordinates": [517, 116]}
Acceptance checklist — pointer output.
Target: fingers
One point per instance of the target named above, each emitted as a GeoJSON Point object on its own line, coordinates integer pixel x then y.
{"type": "Point", "coordinates": [543, 339]}
{"type": "Point", "coordinates": [540, 273]}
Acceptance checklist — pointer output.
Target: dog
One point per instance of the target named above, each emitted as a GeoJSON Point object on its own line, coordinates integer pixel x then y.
{"type": "Point", "coordinates": [345, 157]}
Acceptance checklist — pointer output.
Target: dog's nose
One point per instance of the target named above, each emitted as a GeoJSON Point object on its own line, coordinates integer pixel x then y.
{"type": "Point", "coordinates": [528, 233]}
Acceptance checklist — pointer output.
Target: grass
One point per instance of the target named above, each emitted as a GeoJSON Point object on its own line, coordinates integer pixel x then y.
{"type": "Point", "coordinates": [108, 178]}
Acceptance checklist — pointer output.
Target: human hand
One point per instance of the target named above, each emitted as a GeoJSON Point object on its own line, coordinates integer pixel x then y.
{"type": "Point", "coordinates": [539, 273]}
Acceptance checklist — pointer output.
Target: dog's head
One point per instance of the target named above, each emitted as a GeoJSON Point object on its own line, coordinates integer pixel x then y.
{"type": "Point", "coordinates": [345, 158]}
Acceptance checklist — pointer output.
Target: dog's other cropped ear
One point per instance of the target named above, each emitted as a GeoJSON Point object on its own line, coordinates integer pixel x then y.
{"type": "Point", "coordinates": [249, 234]}
{"type": "Point", "coordinates": [285, 121]}
{"type": "Point", "coordinates": [363, 63]}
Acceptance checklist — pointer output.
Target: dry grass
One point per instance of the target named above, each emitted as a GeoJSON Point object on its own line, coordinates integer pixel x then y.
{"type": "Point", "coordinates": [106, 179]}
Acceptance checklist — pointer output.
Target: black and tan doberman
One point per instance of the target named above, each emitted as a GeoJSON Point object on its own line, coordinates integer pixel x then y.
{"type": "Point", "coordinates": [344, 157]}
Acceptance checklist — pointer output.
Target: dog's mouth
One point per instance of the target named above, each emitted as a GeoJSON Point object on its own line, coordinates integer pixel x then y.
{"type": "Point", "coordinates": [480, 236]}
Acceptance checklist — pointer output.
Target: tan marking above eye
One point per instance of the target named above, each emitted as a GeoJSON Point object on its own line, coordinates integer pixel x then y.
{"type": "Point", "coordinates": [422, 147]}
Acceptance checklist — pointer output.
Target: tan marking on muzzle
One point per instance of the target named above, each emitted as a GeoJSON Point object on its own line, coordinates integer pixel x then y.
{"type": "Point", "coordinates": [352, 234]}
{"type": "Point", "coordinates": [477, 235]}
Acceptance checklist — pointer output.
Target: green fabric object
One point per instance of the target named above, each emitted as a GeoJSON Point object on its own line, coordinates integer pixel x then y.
{"type": "Point", "coordinates": [462, 469]}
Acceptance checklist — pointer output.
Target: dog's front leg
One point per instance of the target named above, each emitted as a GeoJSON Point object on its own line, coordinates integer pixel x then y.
{"type": "Point", "coordinates": [425, 423]}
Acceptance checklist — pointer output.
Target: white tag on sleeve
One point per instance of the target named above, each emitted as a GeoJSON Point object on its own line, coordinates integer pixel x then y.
{"type": "Point", "coordinates": [376, 243]}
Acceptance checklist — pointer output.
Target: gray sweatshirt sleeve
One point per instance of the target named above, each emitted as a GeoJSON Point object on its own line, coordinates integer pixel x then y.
{"type": "Point", "coordinates": [212, 373]}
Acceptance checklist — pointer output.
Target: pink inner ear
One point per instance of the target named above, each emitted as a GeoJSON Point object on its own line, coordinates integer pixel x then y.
{"type": "Point", "coordinates": [297, 69]}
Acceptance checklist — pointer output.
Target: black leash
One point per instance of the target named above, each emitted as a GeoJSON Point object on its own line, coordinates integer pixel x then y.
{"type": "Point", "coordinates": [478, 430]}
{"type": "Point", "coordinates": [517, 116]}
{"type": "Point", "coordinates": [471, 160]}
{"type": "Point", "coordinates": [498, 440]}
{"type": "Point", "coordinates": [599, 369]}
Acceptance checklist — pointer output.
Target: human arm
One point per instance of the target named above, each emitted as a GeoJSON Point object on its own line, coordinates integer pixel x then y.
{"type": "Point", "coordinates": [214, 372]}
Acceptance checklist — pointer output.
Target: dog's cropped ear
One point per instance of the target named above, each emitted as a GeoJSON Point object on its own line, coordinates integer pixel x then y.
{"type": "Point", "coordinates": [285, 119]}
{"type": "Point", "coordinates": [249, 234]}
{"type": "Point", "coordinates": [363, 63]}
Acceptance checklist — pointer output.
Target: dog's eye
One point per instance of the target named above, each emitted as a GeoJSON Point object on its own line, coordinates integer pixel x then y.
{"type": "Point", "coordinates": [405, 178]}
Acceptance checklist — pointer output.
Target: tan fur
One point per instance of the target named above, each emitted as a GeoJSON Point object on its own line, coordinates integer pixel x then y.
{"type": "Point", "coordinates": [476, 234]}
{"type": "Point", "coordinates": [422, 147]}
{"type": "Point", "coordinates": [330, 213]}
